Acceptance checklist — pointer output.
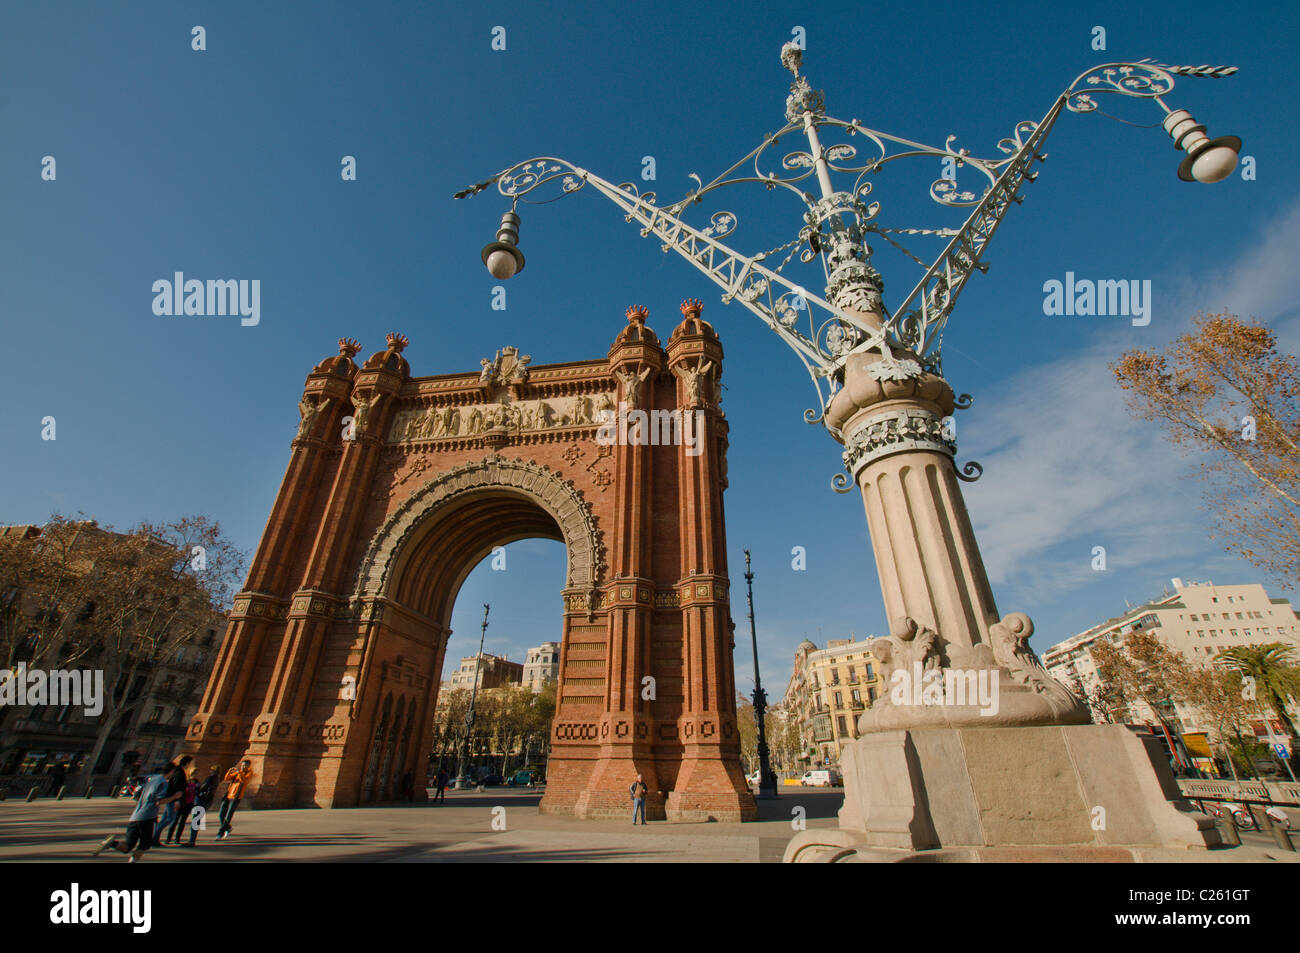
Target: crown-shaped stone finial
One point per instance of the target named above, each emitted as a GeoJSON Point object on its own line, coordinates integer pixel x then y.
{"type": "Point", "coordinates": [397, 342]}
{"type": "Point", "coordinates": [349, 347]}
{"type": "Point", "coordinates": [691, 308]}
{"type": "Point", "coordinates": [638, 313]}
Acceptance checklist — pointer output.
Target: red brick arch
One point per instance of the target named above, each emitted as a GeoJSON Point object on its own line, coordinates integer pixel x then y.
{"type": "Point", "coordinates": [398, 486]}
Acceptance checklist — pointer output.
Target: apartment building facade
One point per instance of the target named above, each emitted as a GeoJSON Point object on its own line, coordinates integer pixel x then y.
{"type": "Point", "coordinates": [829, 689]}
{"type": "Point", "coordinates": [541, 666]}
{"type": "Point", "coordinates": [1198, 620]}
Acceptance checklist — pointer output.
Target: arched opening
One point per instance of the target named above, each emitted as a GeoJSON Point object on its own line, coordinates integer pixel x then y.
{"type": "Point", "coordinates": [417, 568]}
{"type": "Point", "coordinates": [517, 675]}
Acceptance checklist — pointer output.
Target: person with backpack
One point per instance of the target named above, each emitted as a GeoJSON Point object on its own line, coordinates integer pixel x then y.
{"type": "Point", "coordinates": [638, 792]}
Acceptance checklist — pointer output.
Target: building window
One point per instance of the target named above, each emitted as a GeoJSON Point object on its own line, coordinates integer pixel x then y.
{"type": "Point", "coordinates": [871, 695]}
{"type": "Point", "coordinates": [844, 730]}
{"type": "Point", "coordinates": [870, 671]}
{"type": "Point", "coordinates": [839, 699]}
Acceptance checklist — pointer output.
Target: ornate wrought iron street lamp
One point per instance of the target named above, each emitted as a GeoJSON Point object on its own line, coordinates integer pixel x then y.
{"type": "Point", "coordinates": [462, 780]}
{"type": "Point", "coordinates": [766, 777]}
{"type": "Point", "coordinates": [877, 370]}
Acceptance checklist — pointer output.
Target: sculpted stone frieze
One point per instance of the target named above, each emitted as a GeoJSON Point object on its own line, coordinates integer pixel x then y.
{"type": "Point", "coordinates": [437, 423]}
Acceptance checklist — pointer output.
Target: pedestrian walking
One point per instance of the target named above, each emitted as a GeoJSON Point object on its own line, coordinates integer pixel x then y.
{"type": "Point", "coordinates": [176, 832]}
{"type": "Point", "coordinates": [441, 783]}
{"type": "Point", "coordinates": [176, 782]}
{"type": "Point", "coordinates": [140, 827]}
{"type": "Point", "coordinates": [238, 776]}
{"type": "Point", "coordinates": [638, 792]}
{"type": "Point", "coordinates": [206, 794]}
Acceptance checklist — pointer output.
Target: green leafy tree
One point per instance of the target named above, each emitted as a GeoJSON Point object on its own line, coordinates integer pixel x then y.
{"type": "Point", "coordinates": [1272, 672]}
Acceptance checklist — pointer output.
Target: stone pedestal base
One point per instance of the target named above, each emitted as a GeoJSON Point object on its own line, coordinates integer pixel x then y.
{"type": "Point", "coordinates": [1081, 789]}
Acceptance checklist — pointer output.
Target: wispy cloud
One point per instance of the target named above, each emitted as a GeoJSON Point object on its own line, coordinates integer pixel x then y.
{"type": "Point", "coordinates": [1069, 466]}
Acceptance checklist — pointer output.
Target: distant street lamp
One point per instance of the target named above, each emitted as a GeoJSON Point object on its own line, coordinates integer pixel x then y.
{"type": "Point", "coordinates": [462, 780]}
{"type": "Point", "coordinates": [766, 777]}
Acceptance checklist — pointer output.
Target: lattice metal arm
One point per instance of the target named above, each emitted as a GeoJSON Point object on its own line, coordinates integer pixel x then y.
{"type": "Point", "coordinates": [851, 318]}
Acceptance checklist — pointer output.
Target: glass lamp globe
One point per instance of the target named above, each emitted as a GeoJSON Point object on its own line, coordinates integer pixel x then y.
{"type": "Point", "coordinates": [501, 264]}
{"type": "Point", "coordinates": [1214, 164]}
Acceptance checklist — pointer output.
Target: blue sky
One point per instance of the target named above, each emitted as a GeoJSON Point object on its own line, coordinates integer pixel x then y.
{"type": "Point", "coordinates": [225, 163]}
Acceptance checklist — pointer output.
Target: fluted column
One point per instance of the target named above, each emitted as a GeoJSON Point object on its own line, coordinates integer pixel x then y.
{"type": "Point", "coordinates": [960, 663]}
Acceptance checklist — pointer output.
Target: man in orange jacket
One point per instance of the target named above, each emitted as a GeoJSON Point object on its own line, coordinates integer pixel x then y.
{"type": "Point", "coordinates": [238, 777]}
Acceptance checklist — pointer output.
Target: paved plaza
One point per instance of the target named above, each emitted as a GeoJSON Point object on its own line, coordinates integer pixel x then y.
{"type": "Point", "coordinates": [458, 831]}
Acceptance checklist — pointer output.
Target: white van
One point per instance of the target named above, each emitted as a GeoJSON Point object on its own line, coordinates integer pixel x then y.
{"type": "Point", "coordinates": [821, 778]}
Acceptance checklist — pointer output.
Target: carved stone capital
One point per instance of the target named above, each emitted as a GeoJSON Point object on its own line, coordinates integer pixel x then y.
{"type": "Point", "coordinates": [894, 432]}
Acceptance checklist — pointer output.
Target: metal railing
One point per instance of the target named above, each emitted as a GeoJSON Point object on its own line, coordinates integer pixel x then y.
{"type": "Point", "coordinates": [1276, 792]}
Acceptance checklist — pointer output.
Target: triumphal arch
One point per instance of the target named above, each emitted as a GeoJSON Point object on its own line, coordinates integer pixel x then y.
{"type": "Point", "coordinates": [397, 486]}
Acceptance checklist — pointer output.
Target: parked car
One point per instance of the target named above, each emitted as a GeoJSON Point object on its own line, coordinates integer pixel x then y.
{"type": "Point", "coordinates": [491, 779]}
{"type": "Point", "coordinates": [821, 778]}
{"type": "Point", "coordinates": [524, 777]}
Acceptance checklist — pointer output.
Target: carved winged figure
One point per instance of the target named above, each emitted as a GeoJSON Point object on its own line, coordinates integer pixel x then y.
{"type": "Point", "coordinates": [695, 379]}
{"type": "Point", "coordinates": [309, 412]}
{"type": "Point", "coordinates": [363, 407]}
{"type": "Point", "coordinates": [632, 385]}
